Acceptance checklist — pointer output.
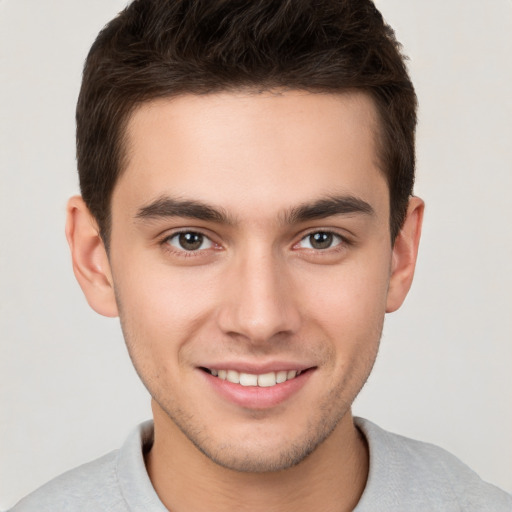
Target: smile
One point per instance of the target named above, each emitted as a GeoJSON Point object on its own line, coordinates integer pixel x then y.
{"type": "Point", "coordinates": [264, 380]}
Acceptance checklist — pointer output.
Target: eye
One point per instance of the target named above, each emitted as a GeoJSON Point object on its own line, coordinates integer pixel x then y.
{"type": "Point", "coordinates": [189, 241]}
{"type": "Point", "coordinates": [320, 240]}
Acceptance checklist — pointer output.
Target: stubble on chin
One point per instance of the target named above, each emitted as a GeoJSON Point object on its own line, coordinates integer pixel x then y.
{"type": "Point", "coordinates": [256, 454]}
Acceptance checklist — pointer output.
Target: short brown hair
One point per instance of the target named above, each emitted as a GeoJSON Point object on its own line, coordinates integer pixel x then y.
{"type": "Point", "coordinates": [163, 48]}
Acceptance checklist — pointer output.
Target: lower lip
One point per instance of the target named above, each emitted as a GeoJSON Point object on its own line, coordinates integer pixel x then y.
{"type": "Point", "coordinates": [255, 397]}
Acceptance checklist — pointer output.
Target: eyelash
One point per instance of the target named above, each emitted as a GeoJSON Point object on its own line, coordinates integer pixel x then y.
{"type": "Point", "coordinates": [165, 242]}
{"type": "Point", "coordinates": [343, 242]}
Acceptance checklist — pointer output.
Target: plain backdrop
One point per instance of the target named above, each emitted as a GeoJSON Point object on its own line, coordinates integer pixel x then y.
{"type": "Point", "coordinates": [68, 392]}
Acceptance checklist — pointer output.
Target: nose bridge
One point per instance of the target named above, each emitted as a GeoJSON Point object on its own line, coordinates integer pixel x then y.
{"type": "Point", "coordinates": [260, 303]}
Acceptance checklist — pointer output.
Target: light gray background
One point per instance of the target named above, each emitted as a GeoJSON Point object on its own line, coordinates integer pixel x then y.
{"type": "Point", "coordinates": [67, 389]}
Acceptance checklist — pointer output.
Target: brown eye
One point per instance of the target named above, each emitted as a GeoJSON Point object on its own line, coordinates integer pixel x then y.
{"type": "Point", "coordinates": [189, 241]}
{"type": "Point", "coordinates": [320, 240]}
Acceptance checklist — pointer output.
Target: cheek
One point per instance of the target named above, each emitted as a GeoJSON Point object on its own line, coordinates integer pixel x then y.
{"type": "Point", "coordinates": [160, 306]}
{"type": "Point", "coordinates": [349, 298]}
{"type": "Point", "coordinates": [169, 303]}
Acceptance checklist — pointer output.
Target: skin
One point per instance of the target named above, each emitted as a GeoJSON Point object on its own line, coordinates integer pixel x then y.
{"type": "Point", "coordinates": [256, 292]}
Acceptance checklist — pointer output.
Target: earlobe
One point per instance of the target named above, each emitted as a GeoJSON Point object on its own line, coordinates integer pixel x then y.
{"type": "Point", "coordinates": [405, 253]}
{"type": "Point", "coordinates": [90, 261]}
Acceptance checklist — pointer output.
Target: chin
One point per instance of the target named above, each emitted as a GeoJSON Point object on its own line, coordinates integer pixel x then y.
{"type": "Point", "coordinates": [259, 460]}
{"type": "Point", "coordinates": [263, 451]}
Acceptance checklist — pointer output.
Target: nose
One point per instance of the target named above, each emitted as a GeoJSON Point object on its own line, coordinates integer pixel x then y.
{"type": "Point", "coordinates": [260, 303]}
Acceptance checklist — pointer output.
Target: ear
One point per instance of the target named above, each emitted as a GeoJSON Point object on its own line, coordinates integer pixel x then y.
{"type": "Point", "coordinates": [90, 261]}
{"type": "Point", "coordinates": [405, 253]}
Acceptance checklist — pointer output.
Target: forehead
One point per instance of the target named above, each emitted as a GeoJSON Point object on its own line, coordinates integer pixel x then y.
{"type": "Point", "coordinates": [269, 150]}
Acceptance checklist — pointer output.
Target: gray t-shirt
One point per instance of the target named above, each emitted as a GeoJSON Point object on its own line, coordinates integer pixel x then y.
{"type": "Point", "coordinates": [405, 475]}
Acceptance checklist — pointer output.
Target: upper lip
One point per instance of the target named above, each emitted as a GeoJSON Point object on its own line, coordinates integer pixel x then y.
{"type": "Point", "coordinates": [257, 368]}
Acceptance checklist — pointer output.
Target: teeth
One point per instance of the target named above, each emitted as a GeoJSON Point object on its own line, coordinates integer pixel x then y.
{"type": "Point", "coordinates": [246, 379]}
{"type": "Point", "coordinates": [264, 380]}
{"type": "Point", "coordinates": [233, 376]}
{"type": "Point", "coordinates": [281, 376]}
{"type": "Point", "coordinates": [267, 380]}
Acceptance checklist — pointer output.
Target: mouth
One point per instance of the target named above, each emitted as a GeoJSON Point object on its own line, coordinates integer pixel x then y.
{"type": "Point", "coordinates": [262, 380]}
{"type": "Point", "coordinates": [252, 388]}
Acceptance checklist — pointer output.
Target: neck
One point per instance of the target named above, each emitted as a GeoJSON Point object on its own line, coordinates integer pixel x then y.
{"type": "Point", "coordinates": [331, 479]}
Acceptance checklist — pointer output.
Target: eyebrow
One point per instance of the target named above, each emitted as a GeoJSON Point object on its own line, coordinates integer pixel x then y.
{"type": "Point", "coordinates": [328, 207]}
{"type": "Point", "coordinates": [165, 207]}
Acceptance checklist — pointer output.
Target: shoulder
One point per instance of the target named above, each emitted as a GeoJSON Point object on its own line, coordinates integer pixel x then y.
{"type": "Point", "coordinates": [411, 475]}
{"type": "Point", "coordinates": [92, 486]}
{"type": "Point", "coordinates": [116, 482]}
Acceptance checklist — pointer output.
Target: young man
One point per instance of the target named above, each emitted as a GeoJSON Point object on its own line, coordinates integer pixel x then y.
{"type": "Point", "coordinates": [246, 172]}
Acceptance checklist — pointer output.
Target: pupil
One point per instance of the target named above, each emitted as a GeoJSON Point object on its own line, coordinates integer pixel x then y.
{"type": "Point", "coordinates": [321, 240]}
{"type": "Point", "coordinates": [191, 241]}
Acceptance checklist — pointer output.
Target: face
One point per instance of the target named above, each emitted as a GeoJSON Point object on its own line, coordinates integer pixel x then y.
{"type": "Point", "coordinates": [251, 260]}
